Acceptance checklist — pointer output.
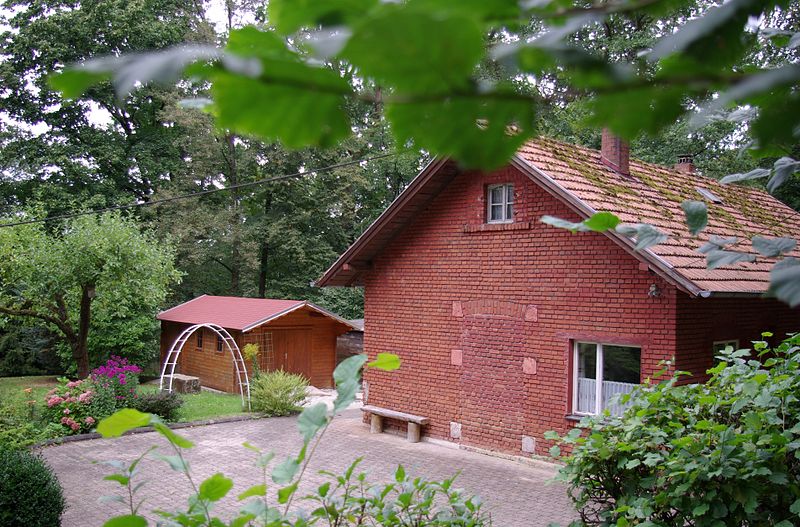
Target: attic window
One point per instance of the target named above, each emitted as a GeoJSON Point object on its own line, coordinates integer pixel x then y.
{"type": "Point", "coordinates": [500, 203]}
{"type": "Point", "coordinates": [710, 196]}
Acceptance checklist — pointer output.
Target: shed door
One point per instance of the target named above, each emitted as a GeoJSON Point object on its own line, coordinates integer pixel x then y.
{"type": "Point", "coordinates": [293, 351]}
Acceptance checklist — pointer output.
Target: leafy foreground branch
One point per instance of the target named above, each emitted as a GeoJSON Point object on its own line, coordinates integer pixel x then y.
{"type": "Point", "coordinates": [722, 453]}
{"type": "Point", "coordinates": [347, 499]}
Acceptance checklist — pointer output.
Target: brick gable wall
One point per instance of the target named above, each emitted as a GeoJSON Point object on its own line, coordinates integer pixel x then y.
{"type": "Point", "coordinates": [483, 316]}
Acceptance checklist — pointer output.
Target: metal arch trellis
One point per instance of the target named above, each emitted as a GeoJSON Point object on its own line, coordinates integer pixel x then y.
{"type": "Point", "coordinates": [175, 351]}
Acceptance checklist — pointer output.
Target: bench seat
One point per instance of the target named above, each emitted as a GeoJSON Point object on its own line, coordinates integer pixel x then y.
{"type": "Point", "coordinates": [415, 422]}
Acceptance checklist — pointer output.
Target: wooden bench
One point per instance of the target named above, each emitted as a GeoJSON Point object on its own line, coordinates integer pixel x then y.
{"type": "Point", "coordinates": [377, 414]}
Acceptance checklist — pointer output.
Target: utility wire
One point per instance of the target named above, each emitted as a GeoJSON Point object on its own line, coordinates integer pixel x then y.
{"type": "Point", "coordinates": [200, 193]}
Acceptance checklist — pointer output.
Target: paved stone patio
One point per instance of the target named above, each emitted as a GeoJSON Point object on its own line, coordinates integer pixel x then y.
{"type": "Point", "coordinates": [516, 493]}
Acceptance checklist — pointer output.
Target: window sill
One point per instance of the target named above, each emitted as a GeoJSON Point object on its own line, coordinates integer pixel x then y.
{"type": "Point", "coordinates": [495, 227]}
{"type": "Point", "coordinates": [575, 417]}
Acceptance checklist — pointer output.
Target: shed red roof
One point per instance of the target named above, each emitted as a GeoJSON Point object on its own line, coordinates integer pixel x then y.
{"type": "Point", "coordinates": [651, 194]}
{"type": "Point", "coordinates": [233, 312]}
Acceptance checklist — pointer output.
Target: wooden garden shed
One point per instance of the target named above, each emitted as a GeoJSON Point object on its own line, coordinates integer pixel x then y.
{"type": "Point", "coordinates": [292, 335]}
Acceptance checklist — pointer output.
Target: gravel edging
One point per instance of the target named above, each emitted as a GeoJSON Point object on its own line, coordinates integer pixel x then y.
{"type": "Point", "coordinates": [145, 429]}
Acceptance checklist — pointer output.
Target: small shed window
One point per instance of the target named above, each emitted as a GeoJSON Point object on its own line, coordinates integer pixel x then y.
{"type": "Point", "coordinates": [219, 344]}
{"type": "Point", "coordinates": [600, 372]}
{"type": "Point", "coordinates": [500, 203]}
{"type": "Point", "coordinates": [200, 339]}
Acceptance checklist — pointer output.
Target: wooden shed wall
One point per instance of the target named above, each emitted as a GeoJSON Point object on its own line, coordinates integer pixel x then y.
{"type": "Point", "coordinates": [323, 342]}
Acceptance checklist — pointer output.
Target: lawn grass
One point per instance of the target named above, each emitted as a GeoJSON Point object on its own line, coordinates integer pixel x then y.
{"type": "Point", "coordinates": [205, 405]}
{"type": "Point", "coordinates": [14, 387]}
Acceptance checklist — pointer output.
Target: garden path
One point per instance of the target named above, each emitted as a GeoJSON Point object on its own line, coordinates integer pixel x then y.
{"type": "Point", "coordinates": [516, 493]}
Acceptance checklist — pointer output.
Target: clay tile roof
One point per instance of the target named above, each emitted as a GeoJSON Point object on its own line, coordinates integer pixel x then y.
{"type": "Point", "coordinates": [230, 312]}
{"type": "Point", "coordinates": [653, 194]}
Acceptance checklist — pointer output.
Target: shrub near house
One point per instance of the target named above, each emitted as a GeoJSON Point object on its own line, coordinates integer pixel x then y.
{"type": "Point", "coordinates": [722, 453]}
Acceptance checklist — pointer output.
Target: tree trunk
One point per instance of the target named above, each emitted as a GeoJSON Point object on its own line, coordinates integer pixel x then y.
{"type": "Point", "coordinates": [80, 349]}
{"type": "Point", "coordinates": [236, 214]}
{"type": "Point", "coordinates": [263, 259]}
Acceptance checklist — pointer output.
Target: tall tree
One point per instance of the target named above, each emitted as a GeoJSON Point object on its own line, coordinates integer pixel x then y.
{"type": "Point", "coordinates": [95, 276]}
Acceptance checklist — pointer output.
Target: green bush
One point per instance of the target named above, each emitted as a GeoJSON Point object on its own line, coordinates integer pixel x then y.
{"type": "Point", "coordinates": [277, 393]}
{"type": "Point", "coordinates": [77, 406]}
{"type": "Point", "coordinates": [30, 495]}
{"type": "Point", "coordinates": [163, 404]}
{"type": "Point", "coordinates": [726, 452]}
{"type": "Point", "coordinates": [18, 421]}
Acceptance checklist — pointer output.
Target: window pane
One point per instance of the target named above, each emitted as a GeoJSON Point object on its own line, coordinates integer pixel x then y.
{"type": "Point", "coordinates": [510, 211]}
{"type": "Point", "coordinates": [621, 369]}
{"type": "Point", "coordinates": [496, 213]}
{"type": "Point", "coordinates": [509, 193]}
{"type": "Point", "coordinates": [621, 364]}
{"type": "Point", "coordinates": [496, 195]}
{"type": "Point", "coordinates": [586, 383]}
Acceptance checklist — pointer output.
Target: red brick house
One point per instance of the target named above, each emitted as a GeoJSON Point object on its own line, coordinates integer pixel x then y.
{"type": "Point", "coordinates": [292, 335]}
{"type": "Point", "coordinates": [505, 325]}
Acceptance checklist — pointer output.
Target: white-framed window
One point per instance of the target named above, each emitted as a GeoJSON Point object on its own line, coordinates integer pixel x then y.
{"type": "Point", "coordinates": [720, 345]}
{"type": "Point", "coordinates": [500, 203]}
{"type": "Point", "coordinates": [600, 372]}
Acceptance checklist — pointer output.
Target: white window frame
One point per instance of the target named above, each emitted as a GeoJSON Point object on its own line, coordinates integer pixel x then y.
{"type": "Point", "coordinates": [598, 375]}
{"type": "Point", "coordinates": [507, 200]}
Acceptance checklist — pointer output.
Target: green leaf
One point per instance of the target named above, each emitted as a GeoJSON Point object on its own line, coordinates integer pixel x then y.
{"type": "Point", "coordinates": [290, 15]}
{"type": "Point", "coordinates": [349, 368]}
{"type": "Point", "coordinates": [121, 421]}
{"type": "Point", "coordinates": [172, 437]}
{"type": "Point", "coordinates": [177, 463]}
{"type": "Point", "coordinates": [782, 170]}
{"type": "Point", "coordinates": [385, 362]}
{"type": "Point", "coordinates": [481, 130]}
{"type": "Point", "coordinates": [215, 488]}
{"type": "Point", "coordinates": [785, 281]}
{"type": "Point", "coordinates": [400, 474]}
{"type": "Point", "coordinates": [795, 507]}
{"type": "Point", "coordinates": [771, 247]}
{"type": "Point", "coordinates": [286, 492]}
{"type": "Point", "coordinates": [128, 520]}
{"type": "Point", "coordinates": [756, 173]}
{"type": "Point", "coordinates": [73, 82]}
{"type": "Point", "coordinates": [285, 471]}
{"type": "Point", "coordinates": [119, 478]}
{"type": "Point", "coordinates": [696, 216]}
{"type": "Point", "coordinates": [311, 420]}
{"type": "Point", "coordinates": [555, 451]}
{"type": "Point", "coordinates": [646, 235]}
{"type": "Point", "coordinates": [601, 222]}
{"type": "Point", "coordinates": [299, 113]}
{"type": "Point", "coordinates": [255, 490]}
{"type": "Point", "coordinates": [564, 224]}
{"type": "Point", "coordinates": [701, 509]}
{"type": "Point", "coordinates": [415, 51]}
{"type": "Point", "coordinates": [716, 242]}
{"type": "Point", "coordinates": [717, 258]}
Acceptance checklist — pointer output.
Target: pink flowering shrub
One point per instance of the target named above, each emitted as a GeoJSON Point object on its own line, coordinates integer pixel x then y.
{"type": "Point", "coordinates": [77, 405]}
{"type": "Point", "coordinates": [119, 376]}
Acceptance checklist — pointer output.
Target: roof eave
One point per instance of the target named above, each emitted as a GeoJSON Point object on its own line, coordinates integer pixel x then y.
{"type": "Point", "coordinates": [329, 278]}
{"type": "Point", "coordinates": [162, 313]}
{"type": "Point", "coordinates": [291, 309]}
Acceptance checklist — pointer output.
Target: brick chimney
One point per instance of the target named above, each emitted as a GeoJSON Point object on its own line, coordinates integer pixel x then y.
{"type": "Point", "coordinates": [685, 164]}
{"type": "Point", "coordinates": [615, 153]}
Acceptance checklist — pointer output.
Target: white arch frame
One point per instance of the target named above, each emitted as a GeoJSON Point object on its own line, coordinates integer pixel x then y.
{"type": "Point", "coordinates": [171, 359]}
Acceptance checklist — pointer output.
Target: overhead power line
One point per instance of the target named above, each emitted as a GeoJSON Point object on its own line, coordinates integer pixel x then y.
{"type": "Point", "coordinates": [200, 193]}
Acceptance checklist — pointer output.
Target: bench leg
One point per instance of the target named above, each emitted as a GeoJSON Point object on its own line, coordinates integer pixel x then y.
{"type": "Point", "coordinates": [413, 432]}
{"type": "Point", "coordinates": [375, 424]}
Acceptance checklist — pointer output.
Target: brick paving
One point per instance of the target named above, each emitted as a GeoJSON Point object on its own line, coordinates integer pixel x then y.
{"type": "Point", "coordinates": [516, 493]}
